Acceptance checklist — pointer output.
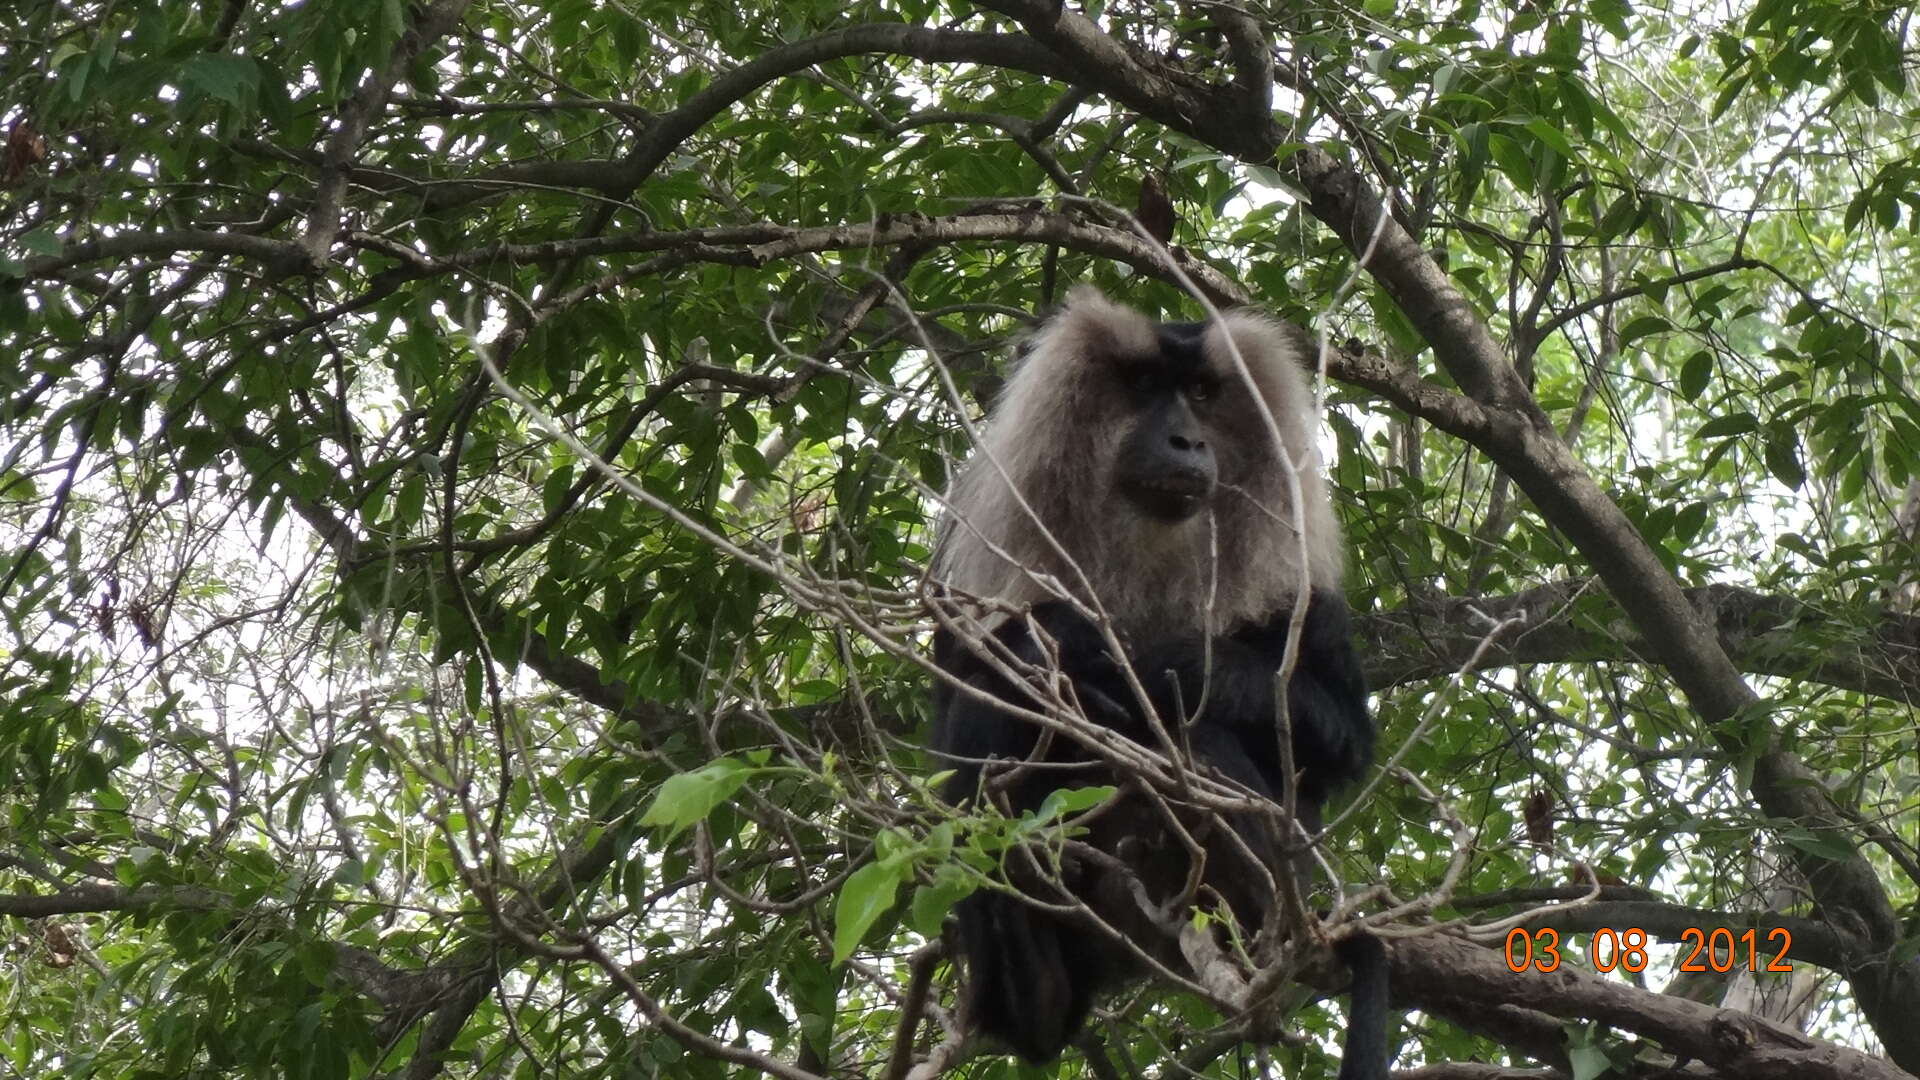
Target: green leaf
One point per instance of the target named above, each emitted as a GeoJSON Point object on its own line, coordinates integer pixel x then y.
{"type": "Point", "coordinates": [1689, 521]}
{"type": "Point", "coordinates": [1589, 1062]}
{"type": "Point", "coordinates": [867, 895]}
{"type": "Point", "coordinates": [411, 503]}
{"type": "Point", "coordinates": [1827, 845]}
{"type": "Point", "coordinates": [1721, 427]}
{"type": "Point", "coordinates": [1552, 136]}
{"type": "Point", "coordinates": [1613, 15]}
{"type": "Point", "coordinates": [1065, 801]}
{"type": "Point", "coordinates": [687, 798]}
{"type": "Point", "coordinates": [42, 241]}
{"type": "Point", "coordinates": [1783, 456]}
{"type": "Point", "coordinates": [1641, 327]}
{"type": "Point", "coordinates": [232, 79]}
{"type": "Point", "coordinates": [932, 902]}
{"type": "Point", "coordinates": [1695, 374]}
{"type": "Point", "coordinates": [1513, 160]}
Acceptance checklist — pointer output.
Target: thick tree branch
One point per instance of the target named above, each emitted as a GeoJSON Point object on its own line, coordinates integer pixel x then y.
{"type": "Point", "coordinates": [938, 46]}
{"type": "Point", "coordinates": [1157, 89]}
{"type": "Point", "coordinates": [1474, 1070]}
{"type": "Point", "coordinates": [350, 129]}
{"type": "Point", "coordinates": [1765, 634]}
{"type": "Point", "coordinates": [668, 131]}
{"type": "Point", "coordinates": [127, 245]}
{"type": "Point", "coordinates": [754, 245]}
{"type": "Point", "coordinates": [88, 897]}
{"type": "Point", "coordinates": [1448, 976]}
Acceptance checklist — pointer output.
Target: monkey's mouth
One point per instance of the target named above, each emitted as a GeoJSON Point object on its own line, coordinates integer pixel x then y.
{"type": "Point", "coordinates": [1170, 498]}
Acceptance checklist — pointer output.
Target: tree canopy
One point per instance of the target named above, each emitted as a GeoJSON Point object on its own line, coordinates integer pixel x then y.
{"type": "Point", "coordinates": [467, 471]}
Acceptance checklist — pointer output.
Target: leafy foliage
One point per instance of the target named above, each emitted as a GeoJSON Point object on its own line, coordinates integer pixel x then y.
{"type": "Point", "coordinates": [468, 467]}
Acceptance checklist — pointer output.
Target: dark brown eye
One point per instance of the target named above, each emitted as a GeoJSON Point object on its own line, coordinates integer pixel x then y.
{"type": "Point", "coordinates": [1201, 390]}
{"type": "Point", "coordinates": [1142, 379]}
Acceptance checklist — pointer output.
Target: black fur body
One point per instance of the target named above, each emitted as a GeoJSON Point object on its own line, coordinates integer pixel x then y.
{"type": "Point", "coordinates": [1176, 514]}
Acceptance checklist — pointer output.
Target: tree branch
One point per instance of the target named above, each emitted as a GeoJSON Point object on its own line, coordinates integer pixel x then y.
{"type": "Point", "coordinates": [1447, 975]}
{"type": "Point", "coordinates": [323, 223]}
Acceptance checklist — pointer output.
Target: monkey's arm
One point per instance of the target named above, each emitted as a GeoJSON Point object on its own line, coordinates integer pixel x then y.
{"type": "Point", "coordinates": [966, 727]}
{"type": "Point", "coordinates": [1326, 698]}
{"type": "Point", "coordinates": [1233, 675]}
{"type": "Point", "coordinates": [1032, 974]}
{"type": "Point", "coordinates": [966, 730]}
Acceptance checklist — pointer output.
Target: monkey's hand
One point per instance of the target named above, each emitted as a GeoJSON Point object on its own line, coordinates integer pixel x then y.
{"type": "Point", "coordinates": [1082, 647]}
{"type": "Point", "coordinates": [1085, 659]}
{"type": "Point", "coordinates": [1229, 681]}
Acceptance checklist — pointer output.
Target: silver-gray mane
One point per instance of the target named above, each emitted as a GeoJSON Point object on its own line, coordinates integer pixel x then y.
{"type": "Point", "coordinates": [1044, 464]}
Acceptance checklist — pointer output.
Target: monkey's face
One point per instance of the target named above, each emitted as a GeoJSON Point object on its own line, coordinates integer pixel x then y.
{"type": "Point", "coordinates": [1169, 468]}
{"type": "Point", "coordinates": [1166, 464]}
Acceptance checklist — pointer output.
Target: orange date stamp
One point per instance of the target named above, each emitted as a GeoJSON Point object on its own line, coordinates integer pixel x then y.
{"type": "Point", "coordinates": [1720, 949]}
